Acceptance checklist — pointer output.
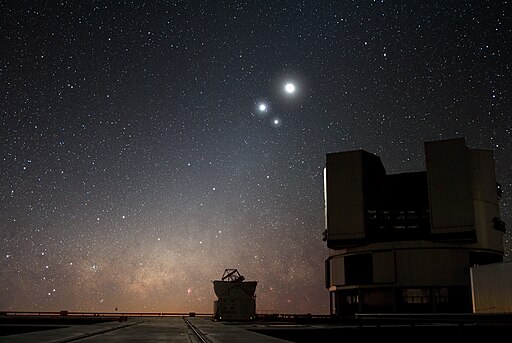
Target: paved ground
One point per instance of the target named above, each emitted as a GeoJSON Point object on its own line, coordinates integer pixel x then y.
{"type": "Point", "coordinates": [162, 329]}
{"type": "Point", "coordinates": [58, 329]}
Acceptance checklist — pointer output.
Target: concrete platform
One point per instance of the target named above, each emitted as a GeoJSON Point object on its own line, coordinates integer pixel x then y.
{"type": "Point", "coordinates": [164, 329]}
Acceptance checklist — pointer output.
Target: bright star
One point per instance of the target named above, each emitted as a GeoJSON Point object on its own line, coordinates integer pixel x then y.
{"type": "Point", "coordinates": [276, 122]}
{"type": "Point", "coordinates": [289, 88]}
{"type": "Point", "coordinates": [262, 107]}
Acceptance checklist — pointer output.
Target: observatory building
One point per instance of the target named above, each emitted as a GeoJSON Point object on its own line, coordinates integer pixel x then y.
{"type": "Point", "coordinates": [236, 300]}
{"type": "Point", "coordinates": [406, 242]}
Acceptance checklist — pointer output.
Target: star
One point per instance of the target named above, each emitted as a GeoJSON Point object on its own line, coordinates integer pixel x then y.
{"type": "Point", "coordinates": [276, 122]}
{"type": "Point", "coordinates": [289, 88]}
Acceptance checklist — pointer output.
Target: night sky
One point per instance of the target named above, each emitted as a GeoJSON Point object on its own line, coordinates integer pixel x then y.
{"type": "Point", "coordinates": [138, 162]}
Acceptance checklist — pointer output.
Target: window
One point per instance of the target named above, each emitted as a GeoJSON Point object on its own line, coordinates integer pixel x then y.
{"type": "Point", "coordinates": [440, 295]}
{"type": "Point", "coordinates": [416, 296]}
{"type": "Point", "coordinates": [352, 299]}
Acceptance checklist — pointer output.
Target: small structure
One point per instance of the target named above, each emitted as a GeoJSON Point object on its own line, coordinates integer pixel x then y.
{"type": "Point", "coordinates": [491, 286]}
{"type": "Point", "coordinates": [236, 300]}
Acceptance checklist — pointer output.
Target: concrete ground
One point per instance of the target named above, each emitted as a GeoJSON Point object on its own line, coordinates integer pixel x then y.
{"type": "Point", "coordinates": [160, 329]}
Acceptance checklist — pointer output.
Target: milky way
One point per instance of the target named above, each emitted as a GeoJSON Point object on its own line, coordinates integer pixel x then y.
{"type": "Point", "coordinates": [137, 164]}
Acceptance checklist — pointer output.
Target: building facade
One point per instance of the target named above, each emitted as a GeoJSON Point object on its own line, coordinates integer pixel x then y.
{"type": "Point", "coordinates": [405, 242]}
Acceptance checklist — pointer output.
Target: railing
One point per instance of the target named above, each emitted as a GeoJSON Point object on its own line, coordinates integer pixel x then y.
{"type": "Point", "coordinates": [361, 319]}
{"type": "Point", "coordinates": [103, 314]}
{"type": "Point", "coordinates": [367, 319]}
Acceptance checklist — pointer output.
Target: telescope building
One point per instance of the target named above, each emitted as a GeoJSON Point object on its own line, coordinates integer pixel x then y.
{"type": "Point", "coordinates": [405, 242]}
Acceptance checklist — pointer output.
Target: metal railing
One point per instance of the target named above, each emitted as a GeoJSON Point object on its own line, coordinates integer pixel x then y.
{"type": "Point", "coordinates": [366, 319]}
{"type": "Point", "coordinates": [102, 314]}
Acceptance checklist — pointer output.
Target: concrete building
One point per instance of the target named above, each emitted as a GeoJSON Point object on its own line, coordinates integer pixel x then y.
{"type": "Point", "coordinates": [405, 242]}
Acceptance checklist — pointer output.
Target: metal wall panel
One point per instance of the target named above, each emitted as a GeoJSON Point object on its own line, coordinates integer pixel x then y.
{"type": "Point", "coordinates": [384, 267]}
{"type": "Point", "coordinates": [491, 287]}
{"type": "Point", "coordinates": [344, 196]}
{"type": "Point", "coordinates": [449, 186]}
{"type": "Point", "coordinates": [485, 195]}
{"type": "Point", "coordinates": [432, 267]}
{"type": "Point", "coordinates": [338, 271]}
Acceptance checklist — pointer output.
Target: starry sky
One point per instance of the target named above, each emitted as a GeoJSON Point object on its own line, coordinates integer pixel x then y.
{"type": "Point", "coordinates": [146, 146]}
